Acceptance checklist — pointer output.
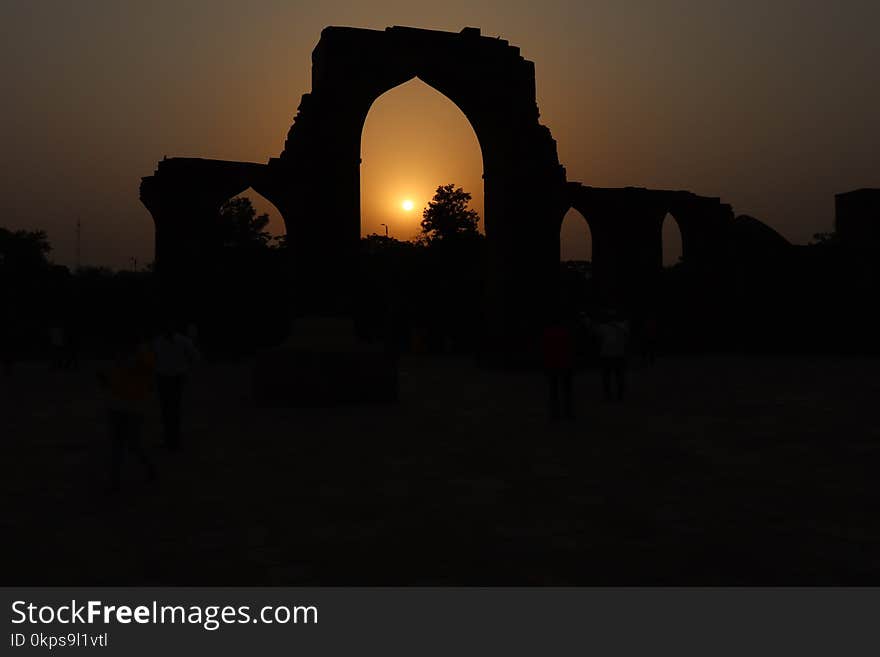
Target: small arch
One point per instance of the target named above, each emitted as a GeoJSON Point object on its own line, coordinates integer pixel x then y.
{"type": "Point", "coordinates": [276, 227]}
{"type": "Point", "coordinates": [575, 238]}
{"type": "Point", "coordinates": [670, 236]}
{"type": "Point", "coordinates": [238, 309]}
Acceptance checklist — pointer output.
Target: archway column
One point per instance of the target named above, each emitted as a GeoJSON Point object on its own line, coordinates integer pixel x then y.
{"type": "Point", "coordinates": [318, 182]}
{"type": "Point", "coordinates": [626, 226]}
{"type": "Point", "coordinates": [524, 183]}
{"type": "Point", "coordinates": [184, 197]}
{"type": "Point", "coordinates": [705, 233]}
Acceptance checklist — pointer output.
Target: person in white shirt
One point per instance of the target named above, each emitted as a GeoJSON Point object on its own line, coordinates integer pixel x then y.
{"type": "Point", "coordinates": [613, 336]}
{"type": "Point", "coordinates": [175, 355]}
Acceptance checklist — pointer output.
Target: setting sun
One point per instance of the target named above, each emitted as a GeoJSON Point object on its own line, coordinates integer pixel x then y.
{"type": "Point", "coordinates": [407, 205]}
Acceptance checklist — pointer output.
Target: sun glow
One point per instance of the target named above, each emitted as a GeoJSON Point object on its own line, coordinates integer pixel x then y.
{"type": "Point", "coordinates": [407, 205]}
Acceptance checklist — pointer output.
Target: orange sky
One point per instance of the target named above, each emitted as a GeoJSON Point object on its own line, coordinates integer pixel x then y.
{"type": "Point", "coordinates": [772, 106]}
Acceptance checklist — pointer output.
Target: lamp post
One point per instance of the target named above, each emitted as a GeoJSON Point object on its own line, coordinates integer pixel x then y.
{"type": "Point", "coordinates": [386, 229]}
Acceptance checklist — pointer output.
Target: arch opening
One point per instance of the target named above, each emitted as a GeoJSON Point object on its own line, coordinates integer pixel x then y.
{"type": "Point", "coordinates": [264, 207]}
{"type": "Point", "coordinates": [575, 261]}
{"type": "Point", "coordinates": [242, 268]}
{"type": "Point", "coordinates": [413, 140]}
{"type": "Point", "coordinates": [670, 236]}
{"type": "Point", "coordinates": [575, 238]}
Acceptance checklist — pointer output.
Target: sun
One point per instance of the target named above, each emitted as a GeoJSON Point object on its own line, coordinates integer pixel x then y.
{"type": "Point", "coordinates": [407, 205]}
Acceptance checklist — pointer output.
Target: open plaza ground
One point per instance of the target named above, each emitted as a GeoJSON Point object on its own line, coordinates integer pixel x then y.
{"type": "Point", "coordinates": [715, 470]}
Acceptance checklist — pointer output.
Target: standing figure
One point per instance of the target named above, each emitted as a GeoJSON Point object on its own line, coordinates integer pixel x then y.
{"type": "Point", "coordinates": [613, 336]}
{"type": "Point", "coordinates": [128, 383]}
{"type": "Point", "coordinates": [558, 352]}
{"type": "Point", "coordinates": [192, 332]}
{"type": "Point", "coordinates": [175, 355]}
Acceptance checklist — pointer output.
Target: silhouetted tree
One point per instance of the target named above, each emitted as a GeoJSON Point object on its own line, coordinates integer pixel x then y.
{"type": "Point", "coordinates": [241, 226]}
{"type": "Point", "coordinates": [451, 267]}
{"type": "Point", "coordinates": [23, 250]}
{"type": "Point", "coordinates": [242, 278]}
{"type": "Point", "coordinates": [27, 289]}
{"type": "Point", "coordinates": [448, 216]}
{"type": "Point", "coordinates": [824, 239]}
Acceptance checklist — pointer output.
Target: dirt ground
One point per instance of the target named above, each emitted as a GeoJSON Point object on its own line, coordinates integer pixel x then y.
{"type": "Point", "coordinates": [715, 470]}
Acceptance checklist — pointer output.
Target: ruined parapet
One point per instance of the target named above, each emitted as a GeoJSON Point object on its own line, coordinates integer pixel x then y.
{"type": "Point", "coordinates": [183, 197]}
{"type": "Point", "coordinates": [626, 227]}
{"type": "Point", "coordinates": [753, 238]}
{"type": "Point", "coordinates": [857, 218]}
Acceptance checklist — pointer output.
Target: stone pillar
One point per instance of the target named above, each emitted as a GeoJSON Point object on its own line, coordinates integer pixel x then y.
{"type": "Point", "coordinates": [181, 222]}
{"type": "Point", "coordinates": [627, 244]}
{"type": "Point", "coordinates": [184, 197]}
{"type": "Point", "coordinates": [705, 233]}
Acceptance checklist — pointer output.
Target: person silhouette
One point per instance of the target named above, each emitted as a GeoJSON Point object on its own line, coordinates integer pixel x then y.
{"type": "Point", "coordinates": [175, 354]}
{"type": "Point", "coordinates": [128, 383]}
{"type": "Point", "coordinates": [192, 332]}
{"type": "Point", "coordinates": [558, 354]}
{"type": "Point", "coordinates": [613, 336]}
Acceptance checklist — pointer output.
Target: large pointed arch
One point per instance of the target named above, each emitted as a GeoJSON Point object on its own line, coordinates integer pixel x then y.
{"type": "Point", "coordinates": [414, 139]}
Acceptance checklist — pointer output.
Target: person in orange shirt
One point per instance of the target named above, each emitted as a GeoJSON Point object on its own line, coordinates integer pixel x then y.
{"type": "Point", "coordinates": [129, 383]}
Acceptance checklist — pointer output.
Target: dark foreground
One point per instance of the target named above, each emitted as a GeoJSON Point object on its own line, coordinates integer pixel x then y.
{"type": "Point", "coordinates": [716, 470]}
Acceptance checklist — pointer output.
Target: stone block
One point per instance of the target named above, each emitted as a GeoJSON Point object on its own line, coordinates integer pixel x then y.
{"type": "Point", "coordinates": [324, 364]}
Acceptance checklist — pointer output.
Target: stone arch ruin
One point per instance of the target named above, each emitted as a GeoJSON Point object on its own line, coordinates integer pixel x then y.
{"type": "Point", "coordinates": [315, 182]}
{"type": "Point", "coordinates": [626, 226]}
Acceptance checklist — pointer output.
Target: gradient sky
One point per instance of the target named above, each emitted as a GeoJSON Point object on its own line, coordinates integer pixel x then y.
{"type": "Point", "coordinates": [774, 106]}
